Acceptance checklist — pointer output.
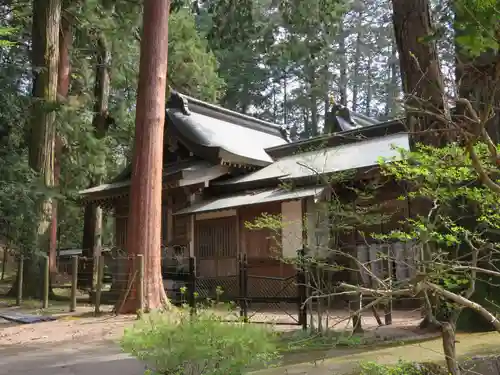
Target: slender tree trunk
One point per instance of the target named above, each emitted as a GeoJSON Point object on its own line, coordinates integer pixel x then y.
{"type": "Point", "coordinates": [285, 100]}
{"type": "Point", "coordinates": [343, 69]}
{"type": "Point", "coordinates": [420, 71]}
{"type": "Point", "coordinates": [369, 90]}
{"type": "Point", "coordinates": [392, 89]}
{"type": "Point", "coordinates": [448, 337]}
{"type": "Point", "coordinates": [45, 61]}
{"type": "Point", "coordinates": [357, 59]}
{"type": "Point", "coordinates": [144, 223]}
{"type": "Point", "coordinates": [92, 226]}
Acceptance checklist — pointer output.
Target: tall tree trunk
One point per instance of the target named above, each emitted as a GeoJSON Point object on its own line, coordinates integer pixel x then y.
{"type": "Point", "coordinates": [45, 61]}
{"type": "Point", "coordinates": [92, 224]}
{"type": "Point", "coordinates": [144, 224]}
{"type": "Point", "coordinates": [343, 69]}
{"type": "Point", "coordinates": [369, 89]}
{"type": "Point", "coordinates": [392, 89]}
{"type": "Point", "coordinates": [357, 61]}
{"type": "Point", "coordinates": [421, 78]}
{"type": "Point", "coordinates": [420, 71]}
{"type": "Point", "coordinates": [285, 99]}
{"type": "Point", "coordinates": [63, 80]}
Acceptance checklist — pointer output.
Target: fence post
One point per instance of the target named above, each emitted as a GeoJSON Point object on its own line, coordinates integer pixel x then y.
{"type": "Point", "coordinates": [140, 284]}
{"type": "Point", "coordinates": [74, 283]}
{"type": "Point", "coordinates": [20, 271]}
{"type": "Point", "coordinates": [388, 303]}
{"type": "Point", "coordinates": [302, 289]}
{"type": "Point", "coordinates": [244, 287]}
{"type": "Point", "coordinates": [46, 282]}
{"type": "Point", "coordinates": [192, 285]}
{"type": "Point", "coordinates": [100, 276]}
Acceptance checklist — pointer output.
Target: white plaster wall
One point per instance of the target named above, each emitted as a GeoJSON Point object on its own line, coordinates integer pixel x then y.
{"type": "Point", "coordinates": [291, 213]}
{"type": "Point", "coordinates": [318, 228]}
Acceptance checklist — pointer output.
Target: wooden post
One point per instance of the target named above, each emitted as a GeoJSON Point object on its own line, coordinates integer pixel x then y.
{"type": "Point", "coordinates": [46, 282]}
{"type": "Point", "coordinates": [4, 263]}
{"type": "Point", "coordinates": [140, 284]}
{"type": "Point", "coordinates": [388, 303]}
{"type": "Point", "coordinates": [100, 276]}
{"type": "Point", "coordinates": [74, 283]}
{"type": "Point", "coordinates": [244, 280]}
{"type": "Point", "coordinates": [192, 285]}
{"type": "Point", "coordinates": [302, 290]}
{"type": "Point", "coordinates": [20, 271]}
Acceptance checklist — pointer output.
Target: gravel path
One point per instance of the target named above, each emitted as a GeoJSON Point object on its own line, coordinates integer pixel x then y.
{"type": "Point", "coordinates": [70, 346]}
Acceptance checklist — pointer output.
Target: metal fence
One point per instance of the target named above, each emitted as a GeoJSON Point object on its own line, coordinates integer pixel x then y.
{"type": "Point", "coordinates": [259, 299]}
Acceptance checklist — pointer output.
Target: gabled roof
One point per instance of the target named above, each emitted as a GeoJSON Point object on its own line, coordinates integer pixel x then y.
{"type": "Point", "coordinates": [253, 197]}
{"type": "Point", "coordinates": [220, 135]}
{"type": "Point", "coordinates": [328, 160]}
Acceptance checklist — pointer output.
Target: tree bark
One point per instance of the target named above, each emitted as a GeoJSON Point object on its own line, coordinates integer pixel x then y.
{"type": "Point", "coordinates": [144, 223]}
{"type": "Point", "coordinates": [63, 80]}
{"type": "Point", "coordinates": [450, 353]}
{"type": "Point", "coordinates": [392, 89]}
{"type": "Point", "coordinates": [343, 69]}
{"type": "Point", "coordinates": [45, 61]}
{"type": "Point", "coordinates": [357, 58]}
{"type": "Point", "coordinates": [420, 71]}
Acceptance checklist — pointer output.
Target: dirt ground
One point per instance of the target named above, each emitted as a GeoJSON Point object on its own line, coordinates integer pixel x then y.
{"type": "Point", "coordinates": [89, 329]}
{"type": "Point", "coordinates": [109, 327]}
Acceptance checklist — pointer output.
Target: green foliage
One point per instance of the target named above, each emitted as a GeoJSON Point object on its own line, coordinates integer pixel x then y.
{"type": "Point", "coordinates": [462, 219]}
{"type": "Point", "coordinates": [477, 25]}
{"type": "Point", "coordinates": [192, 68]}
{"type": "Point", "coordinates": [180, 343]}
{"type": "Point", "coordinates": [402, 368]}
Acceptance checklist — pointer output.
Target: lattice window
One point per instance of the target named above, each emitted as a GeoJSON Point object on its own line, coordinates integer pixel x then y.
{"type": "Point", "coordinates": [216, 238]}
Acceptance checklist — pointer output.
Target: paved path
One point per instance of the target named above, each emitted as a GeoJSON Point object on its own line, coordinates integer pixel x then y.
{"type": "Point", "coordinates": [104, 358]}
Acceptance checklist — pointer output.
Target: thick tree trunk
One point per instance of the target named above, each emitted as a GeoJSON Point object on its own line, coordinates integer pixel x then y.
{"type": "Point", "coordinates": [63, 80]}
{"type": "Point", "coordinates": [92, 226]}
{"type": "Point", "coordinates": [45, 61]}
{"type": "Point", "coordinates": [420, 71]}
{"type": "Point", "coordinates": [144, 223]}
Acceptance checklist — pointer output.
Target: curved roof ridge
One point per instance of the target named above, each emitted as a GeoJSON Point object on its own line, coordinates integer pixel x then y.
{"type": "Point", "coordinates": [215, 111]}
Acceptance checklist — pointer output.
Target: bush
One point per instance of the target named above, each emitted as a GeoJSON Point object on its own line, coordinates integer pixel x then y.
{"type": "Point", "coordinates": [180, 344]}
{"type": "Point", "coordinates": [402, 368]}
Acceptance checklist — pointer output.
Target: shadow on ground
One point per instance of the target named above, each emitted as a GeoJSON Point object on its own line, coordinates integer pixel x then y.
{"type": "Point", "coordinates": [68, 358]}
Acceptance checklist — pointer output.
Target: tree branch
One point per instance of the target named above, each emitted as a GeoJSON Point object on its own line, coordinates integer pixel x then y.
{"type": "Point", "coordinates": [465, 303]}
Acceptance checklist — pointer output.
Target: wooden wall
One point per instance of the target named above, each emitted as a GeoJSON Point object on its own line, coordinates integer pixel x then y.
{"type": "Point", "coordinates": [216, 246]}
{"type": "Point", "coordinates": [268, 274]}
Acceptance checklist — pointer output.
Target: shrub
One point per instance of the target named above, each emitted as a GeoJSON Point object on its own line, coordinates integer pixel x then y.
{"type": "Point", "coordinates": [180, 344]}
{"type": "Point", "coordinates": [402, 368]}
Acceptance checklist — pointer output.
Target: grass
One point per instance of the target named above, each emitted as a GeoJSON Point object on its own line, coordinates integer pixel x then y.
{"type": "Point", "coordinates": [346, 360]}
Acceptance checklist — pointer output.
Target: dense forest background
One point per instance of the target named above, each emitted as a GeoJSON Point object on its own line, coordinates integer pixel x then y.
{"type": "Point", "coordinates": [285, 61]}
